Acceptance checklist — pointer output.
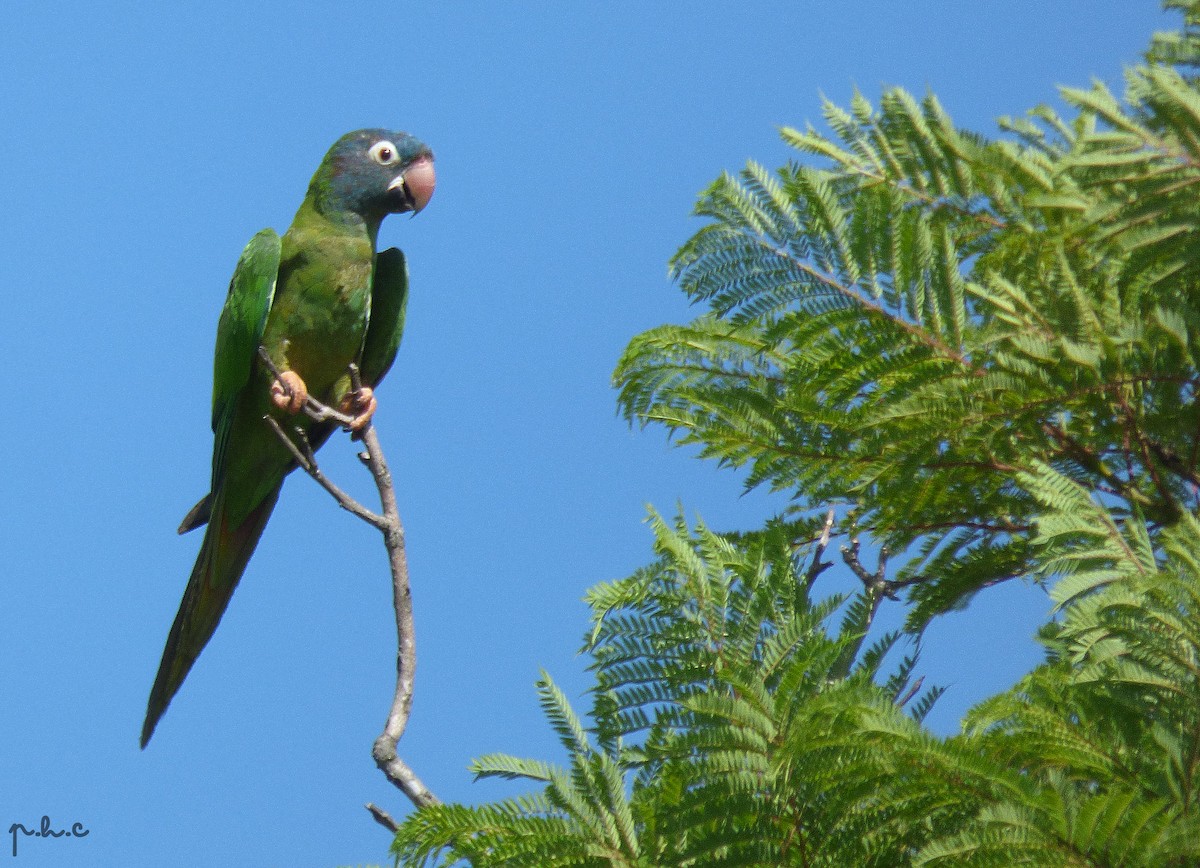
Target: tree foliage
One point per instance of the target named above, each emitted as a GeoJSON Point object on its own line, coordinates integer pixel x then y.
{"type": "Point", "coordinates": [732, 724]}
{"type": "Point", "coordinates": [918, 325]}
{"type": "Point", "coordinates": [980, 354]}
{"type": "Point", "coordinates": [720, 719]}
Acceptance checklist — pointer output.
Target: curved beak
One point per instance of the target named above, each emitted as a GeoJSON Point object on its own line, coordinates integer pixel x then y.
{"type": "Point", "coordinates": [413, 188]}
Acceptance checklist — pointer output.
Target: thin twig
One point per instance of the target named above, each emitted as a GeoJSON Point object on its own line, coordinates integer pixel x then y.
{"type": "Point", "coordinates": [819, 566]}
{"type": "Point", "coordinates": [382, 817]}
{"type": "Point", "coordinates": [308, 463]}
{"type": "Point", "coordinates": [904, 698]}
{"type": "Point", "coordinates": [384, 749]}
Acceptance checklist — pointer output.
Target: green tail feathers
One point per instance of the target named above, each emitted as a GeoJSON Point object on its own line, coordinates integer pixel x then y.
{"type": "Point", "coordinates": [220, 564]}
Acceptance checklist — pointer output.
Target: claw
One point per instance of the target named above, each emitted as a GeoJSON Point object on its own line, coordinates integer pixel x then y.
{"type": "Point", "coordinates": [362, 405]}
{"type": "Point", "coordinates": [289, 392]}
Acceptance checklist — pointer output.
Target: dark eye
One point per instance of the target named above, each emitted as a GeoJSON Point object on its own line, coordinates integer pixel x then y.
{"type": "Point", "coordinates": [383, 153]}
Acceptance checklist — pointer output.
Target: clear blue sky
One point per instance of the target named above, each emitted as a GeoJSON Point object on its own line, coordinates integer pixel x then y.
{"type": "Point", "coordinates": [143, 144]}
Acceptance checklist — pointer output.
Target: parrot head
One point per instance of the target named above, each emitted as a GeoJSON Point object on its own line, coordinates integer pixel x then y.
{"type": "Point", "coordinates": [372, 173]}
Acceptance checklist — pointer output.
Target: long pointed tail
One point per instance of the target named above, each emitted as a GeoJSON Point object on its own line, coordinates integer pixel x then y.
{"type": "Point", "coordinates": [220, 564]}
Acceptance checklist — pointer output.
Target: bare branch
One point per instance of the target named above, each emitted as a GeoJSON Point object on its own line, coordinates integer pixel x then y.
{"type": "Point", "coordinates": [382, 817]}
{"type": "Point", "coordinates": [819, 566]}
{"type": "Point", "coordinates": [384, 750]}
{"type": "Point", "coordinates": [904, 698]}
{"type": "Point", "coordinates": [389, 524]}
{"type": "Point", "coordinates": [308, 463]}
{"type": "Point", "coordinates": [875, 583]}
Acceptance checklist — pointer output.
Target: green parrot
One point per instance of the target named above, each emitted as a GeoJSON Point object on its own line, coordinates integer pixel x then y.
{"type": "Point", "coordinates": [317, 300]}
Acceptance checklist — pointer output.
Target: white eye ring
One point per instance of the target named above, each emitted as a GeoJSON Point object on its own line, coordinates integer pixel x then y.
{"type": "Point", "coordinates": [384, 153]}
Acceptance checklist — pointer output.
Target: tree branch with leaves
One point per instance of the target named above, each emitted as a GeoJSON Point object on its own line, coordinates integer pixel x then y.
{"type": "Point", "coordinates": [980, 358]}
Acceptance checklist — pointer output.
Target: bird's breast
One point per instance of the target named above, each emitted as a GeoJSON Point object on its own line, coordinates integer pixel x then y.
{"type": "Point", "coordinates": [319, 316]}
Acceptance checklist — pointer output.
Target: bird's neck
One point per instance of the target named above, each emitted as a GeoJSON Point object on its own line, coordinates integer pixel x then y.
{"type": "Point", "coordinates": [313, 216]}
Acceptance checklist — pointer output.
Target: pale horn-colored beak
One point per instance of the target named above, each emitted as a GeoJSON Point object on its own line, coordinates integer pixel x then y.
{"type": "Point", "coordinates": [413, 188]}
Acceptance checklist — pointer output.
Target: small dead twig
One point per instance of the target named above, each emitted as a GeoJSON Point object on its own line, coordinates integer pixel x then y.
{"type": "Point", "coordinates": [913, 689]}
{"type": "Point", "coordinates": [306, 461]}
{"type": "Point", "coordinates": [388, 523]}
{"type": "Point", "coordinates": [819, 566]}
{"type": "Point", "coordinates": [382, 817]}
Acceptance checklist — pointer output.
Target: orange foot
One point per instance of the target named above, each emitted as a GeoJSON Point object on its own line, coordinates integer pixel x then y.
{"type": "Point", "coordinates": [361, 405]}
{"type": "Point", "coordinates": [289, 392]}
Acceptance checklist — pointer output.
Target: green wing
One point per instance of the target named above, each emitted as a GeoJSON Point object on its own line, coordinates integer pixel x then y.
{"type": "Point", "coordinates": [240, 329]}
{"type": "Point", "coordinates": [239, 334]}
{"type": "Point", "coordinates": [385, 328]}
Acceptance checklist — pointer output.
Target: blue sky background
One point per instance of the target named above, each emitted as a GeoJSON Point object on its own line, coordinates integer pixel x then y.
{"type": "Point", "coordinates": [143, 144]}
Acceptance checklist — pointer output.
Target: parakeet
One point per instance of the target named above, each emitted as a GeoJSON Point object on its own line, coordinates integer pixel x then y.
{"type": "Point", "coordinates": [317, 299]}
